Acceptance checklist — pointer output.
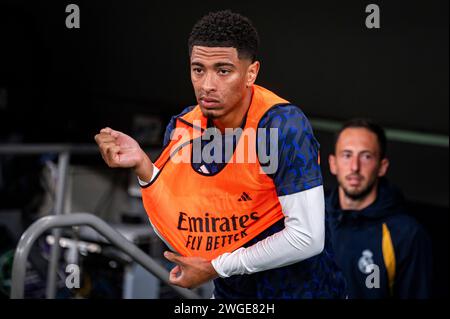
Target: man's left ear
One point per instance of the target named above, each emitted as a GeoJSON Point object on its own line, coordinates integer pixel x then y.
{"type": "Point", "coordinates": [383, 167]}
{"type": "Point", "coordinates": [252, 73]}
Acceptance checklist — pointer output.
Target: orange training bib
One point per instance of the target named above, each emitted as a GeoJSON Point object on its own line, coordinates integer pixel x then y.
{"type": "Point", "coordinates": [207, 215]}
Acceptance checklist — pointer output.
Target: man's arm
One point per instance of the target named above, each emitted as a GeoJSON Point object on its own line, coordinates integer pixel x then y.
{"type": "Point", "coordinates": [413, 278]}
{"type": "Point", "coordinates": [302, 238]}
{"type": "Point", "coordinates": [145, 181]}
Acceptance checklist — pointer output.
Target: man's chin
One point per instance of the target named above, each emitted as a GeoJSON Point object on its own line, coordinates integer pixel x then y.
{"type": "Point", "coordinates": [210, 114]}
{"type": "Point", "coordinates": [352, 192]}
{"type": "Point", "coordinates": [357, 193]}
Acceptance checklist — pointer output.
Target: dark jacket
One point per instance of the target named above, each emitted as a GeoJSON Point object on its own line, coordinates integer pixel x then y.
{"type": "Point", "coordinates": [381, 234]}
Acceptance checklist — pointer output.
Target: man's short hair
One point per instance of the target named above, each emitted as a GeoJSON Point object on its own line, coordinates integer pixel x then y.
{"type": "Point", "coordinates": [369, 125]}
{"type": "Point", "coordinates": [226, 29]}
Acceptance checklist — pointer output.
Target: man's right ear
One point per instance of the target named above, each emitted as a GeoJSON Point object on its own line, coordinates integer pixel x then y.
{"type": "Point", "coordinates": [332, 163]}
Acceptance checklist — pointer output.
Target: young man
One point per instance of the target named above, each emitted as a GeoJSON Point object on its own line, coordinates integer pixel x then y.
{"type": "Point", "coordinates": [254, 226]}
{"type": "Point", "coordinates": [381, 250]}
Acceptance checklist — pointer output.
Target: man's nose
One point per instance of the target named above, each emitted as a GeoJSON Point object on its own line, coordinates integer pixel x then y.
{"type": "Point", "coordinates": [208, 84]}
{"type": "Point", "coordinates": [354, 164]}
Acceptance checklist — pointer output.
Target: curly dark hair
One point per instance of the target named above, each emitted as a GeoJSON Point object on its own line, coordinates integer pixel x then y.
{"type": "Point", "coordinates": [226, 29]}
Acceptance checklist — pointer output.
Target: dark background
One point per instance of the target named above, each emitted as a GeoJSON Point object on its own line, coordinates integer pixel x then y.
{"type": "Point", "coordinates": [130, 57]}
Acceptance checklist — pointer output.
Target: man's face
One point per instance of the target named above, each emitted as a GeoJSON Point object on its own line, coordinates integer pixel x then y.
{"type": "Point", "coordinates": [356, 162]}
{"type": "Point", "coordinates": [220, 79]}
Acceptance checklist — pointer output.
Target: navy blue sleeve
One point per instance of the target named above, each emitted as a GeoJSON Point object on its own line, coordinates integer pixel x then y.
{"type": "Point", "coordinates": [172, 124]}
{"type": "Point", "coordinates": [298, 150]}
{"type": "Point", "coordinates": [414, 272]}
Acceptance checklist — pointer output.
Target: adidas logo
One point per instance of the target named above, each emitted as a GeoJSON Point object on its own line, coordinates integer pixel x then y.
{"type": "Point", "coordinates": [244, 197]}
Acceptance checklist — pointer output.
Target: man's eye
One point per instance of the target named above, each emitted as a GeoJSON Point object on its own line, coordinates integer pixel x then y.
{"type": "Point", "coordinates": [224, 71]}
{"type": "Point", "coordinates": [197, 70]}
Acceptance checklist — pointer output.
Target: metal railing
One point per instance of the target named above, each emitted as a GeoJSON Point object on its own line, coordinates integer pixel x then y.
{"type": "Point", "coordinates": [82, 219]}
{"type": "Point", "coordinates": [64, 152]}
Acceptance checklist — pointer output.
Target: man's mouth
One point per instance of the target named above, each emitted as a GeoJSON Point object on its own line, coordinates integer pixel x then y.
{"type": "Point", "coordinates": [209, 102]}
{"type": "Point", "coordinates": [354, 180]}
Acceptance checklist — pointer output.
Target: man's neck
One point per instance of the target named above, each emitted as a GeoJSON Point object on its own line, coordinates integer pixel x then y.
{"type": "Point", "coordinates": [348, 203]}
{"type": "Point", "coordinates": [234, 119]}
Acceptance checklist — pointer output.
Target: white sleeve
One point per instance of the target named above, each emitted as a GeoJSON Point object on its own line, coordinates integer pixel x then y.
{"type": "Point", "coordinates": [155, 171]}
{"type": "Point", "coordinates": [302, 238]}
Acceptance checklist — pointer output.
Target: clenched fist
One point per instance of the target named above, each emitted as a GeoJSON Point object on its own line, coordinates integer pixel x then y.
{"type": "Point", "coordinates": [121, 150]}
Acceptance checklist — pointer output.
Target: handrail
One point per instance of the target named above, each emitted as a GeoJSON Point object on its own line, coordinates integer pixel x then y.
{"type": "Point", "coordinates": [42, 148]}
{"type": "Point", "coordinates": [45, 223]}
{"type": "Point", "coordinates": [64, 152]}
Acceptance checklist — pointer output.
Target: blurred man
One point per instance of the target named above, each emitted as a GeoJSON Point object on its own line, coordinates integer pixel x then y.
{"type": "Point", "coordinates": [382, 251]}
{"type": "Point", "coordinates": [257, 226]}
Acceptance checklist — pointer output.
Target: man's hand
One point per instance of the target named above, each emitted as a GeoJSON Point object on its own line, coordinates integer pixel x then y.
{"type": "Point", "coordinates": [190, 272]}
{"type": "Point", "coordinates": [120, 150]}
